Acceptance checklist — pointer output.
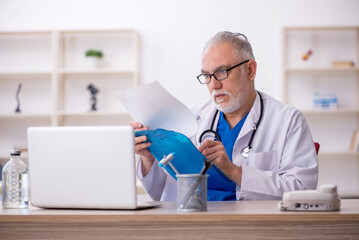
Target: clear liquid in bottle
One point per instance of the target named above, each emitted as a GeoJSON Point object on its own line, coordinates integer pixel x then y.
{"type": "Point", "coordinates": [15, 182]}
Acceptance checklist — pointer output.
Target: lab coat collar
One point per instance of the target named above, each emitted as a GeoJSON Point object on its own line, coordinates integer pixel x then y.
{"type": "Point", "coordinates": [208, 111]}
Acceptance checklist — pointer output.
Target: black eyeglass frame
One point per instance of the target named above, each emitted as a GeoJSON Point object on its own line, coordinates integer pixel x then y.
{"type": "Point", "coordinates": [213, 74]}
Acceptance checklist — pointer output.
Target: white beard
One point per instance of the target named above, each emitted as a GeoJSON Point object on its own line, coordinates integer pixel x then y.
{"type": "Point", "coordinates": [233, 105]}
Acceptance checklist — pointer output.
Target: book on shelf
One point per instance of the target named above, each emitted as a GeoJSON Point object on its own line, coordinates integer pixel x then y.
{"type": "Point", "coordinates": [354, 143]}
{"type": "Point", "coordinates": [342, 64]}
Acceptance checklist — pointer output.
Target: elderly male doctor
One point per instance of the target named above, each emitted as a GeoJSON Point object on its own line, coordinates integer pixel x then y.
{"type": "Point", "coordinates": [265, 147]}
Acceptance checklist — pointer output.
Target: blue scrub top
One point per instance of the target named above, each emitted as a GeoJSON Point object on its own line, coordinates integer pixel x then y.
{"type": "Point", "coordinates": [221, 188]}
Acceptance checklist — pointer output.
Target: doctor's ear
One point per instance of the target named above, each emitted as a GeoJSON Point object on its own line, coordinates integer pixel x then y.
{"type": "Point", "coordinates": [252, 69]}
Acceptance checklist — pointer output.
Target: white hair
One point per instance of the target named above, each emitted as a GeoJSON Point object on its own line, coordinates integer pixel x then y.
{"type": "Point", "coordinates": [239, 42]}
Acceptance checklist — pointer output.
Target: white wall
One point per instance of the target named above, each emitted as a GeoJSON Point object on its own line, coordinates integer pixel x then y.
{"type": "Point", "coordinates": [173, 32]}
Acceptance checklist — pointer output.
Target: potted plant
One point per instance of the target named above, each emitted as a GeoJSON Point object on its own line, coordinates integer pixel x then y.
{"type": "Point", "coordinates": [94, 57]}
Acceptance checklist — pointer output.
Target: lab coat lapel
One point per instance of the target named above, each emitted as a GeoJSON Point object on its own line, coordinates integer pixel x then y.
{"type": "Point", "coordinates": [252, 118]}
{"type": "Point", "coordinates": [205, 120]}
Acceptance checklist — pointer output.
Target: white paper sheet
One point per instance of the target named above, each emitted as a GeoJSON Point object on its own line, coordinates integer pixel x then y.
{"type": "Point", "coordinates": [153, 106]}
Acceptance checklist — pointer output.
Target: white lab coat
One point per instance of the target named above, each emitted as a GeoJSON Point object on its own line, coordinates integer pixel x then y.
{"type": "Point", "coordinates": [284, 157]}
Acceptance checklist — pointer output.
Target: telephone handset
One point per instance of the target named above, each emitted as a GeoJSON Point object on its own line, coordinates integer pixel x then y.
{"type": "Point", "coordinates": [324, 199]}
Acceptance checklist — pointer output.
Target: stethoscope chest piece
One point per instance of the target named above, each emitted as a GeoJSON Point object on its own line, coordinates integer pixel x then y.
{"type": "Point", "coordinates": [246, 151]}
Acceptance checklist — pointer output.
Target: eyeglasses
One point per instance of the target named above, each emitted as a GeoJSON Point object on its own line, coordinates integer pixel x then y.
{"type": "Point", "coordinates": [219, 75]}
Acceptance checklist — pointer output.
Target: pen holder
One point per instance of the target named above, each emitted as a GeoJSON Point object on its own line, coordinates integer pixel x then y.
{"type": "Point", "coordinates": [191, 192]}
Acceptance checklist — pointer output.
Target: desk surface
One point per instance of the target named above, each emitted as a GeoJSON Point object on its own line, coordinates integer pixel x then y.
{"type": "Point", "coordinates": [226, 210]}
{"type": "Point", "coordinates": [252, 219]}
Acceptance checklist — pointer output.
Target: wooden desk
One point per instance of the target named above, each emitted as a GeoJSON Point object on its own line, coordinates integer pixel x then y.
{"type": "Point", "coordinates": [224, 220]}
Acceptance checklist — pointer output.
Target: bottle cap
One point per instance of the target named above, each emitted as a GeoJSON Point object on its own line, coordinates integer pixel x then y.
{"type": "Point", "coordinates": [15, 152]}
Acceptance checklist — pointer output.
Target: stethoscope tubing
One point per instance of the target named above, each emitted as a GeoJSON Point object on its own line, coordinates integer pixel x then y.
{"type": "Point", "coordinates": [249, 147]}
{"type": "Point", "coordinates": [257, 124]}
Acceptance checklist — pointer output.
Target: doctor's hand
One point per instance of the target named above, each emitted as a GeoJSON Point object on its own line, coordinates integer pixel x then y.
{"type": "Point", "coordinates": [215, 152]}
{"type": "Point", "coordinates": [141, 148]}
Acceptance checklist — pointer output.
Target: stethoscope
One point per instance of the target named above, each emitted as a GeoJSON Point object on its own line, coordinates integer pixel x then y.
{"type": "Point", "coordinates": [247, 150]}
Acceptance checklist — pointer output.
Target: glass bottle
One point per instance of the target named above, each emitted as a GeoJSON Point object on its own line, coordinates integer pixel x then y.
{"type": "Point", "coordinates": [15, 182]}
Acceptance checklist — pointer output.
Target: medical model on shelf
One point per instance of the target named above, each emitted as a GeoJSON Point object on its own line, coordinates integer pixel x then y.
{"type": "Point", "coordinates": [93, 99]}
{"type": "Point", "coordinates": [18, 110]}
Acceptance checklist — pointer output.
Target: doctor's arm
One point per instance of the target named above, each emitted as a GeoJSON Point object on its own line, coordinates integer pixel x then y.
{"type": "Point", "coordinates": [295, 165]}
{"type": "Point", "coordinates": [150, 174]}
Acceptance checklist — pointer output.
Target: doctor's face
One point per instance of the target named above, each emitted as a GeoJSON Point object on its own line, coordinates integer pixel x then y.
{"type": "Point", "coordinates": [232, 93]}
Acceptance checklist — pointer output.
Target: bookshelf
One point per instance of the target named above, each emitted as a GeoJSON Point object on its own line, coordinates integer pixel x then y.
{"type": "Point", "coordinates": [332, 128]}
{"type": "Point", "coordinates": [54, 73]}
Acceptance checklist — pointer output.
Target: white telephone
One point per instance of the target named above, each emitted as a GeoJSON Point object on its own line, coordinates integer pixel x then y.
{"type": "Point", "coordinates": [326, 199]}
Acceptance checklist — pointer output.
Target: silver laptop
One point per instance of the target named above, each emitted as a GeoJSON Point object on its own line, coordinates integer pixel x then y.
{"type": "Point", "coordinates": [83, 167]}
